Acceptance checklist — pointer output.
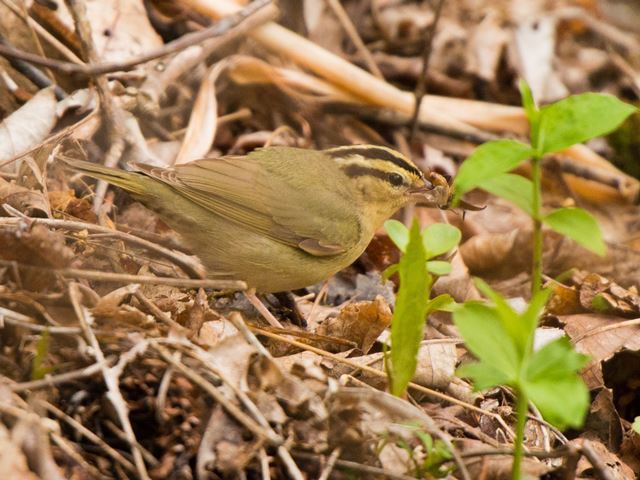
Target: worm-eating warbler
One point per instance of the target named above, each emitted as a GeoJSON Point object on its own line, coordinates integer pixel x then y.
{"type": "Point", "coordinates": [279, 218]}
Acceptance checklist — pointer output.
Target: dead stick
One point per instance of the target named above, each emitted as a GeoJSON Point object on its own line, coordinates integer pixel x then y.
{"type": "Point", "coordinates": [257, 7]}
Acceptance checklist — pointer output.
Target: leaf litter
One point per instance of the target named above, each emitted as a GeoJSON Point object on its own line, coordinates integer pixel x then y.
{"type": "Point", "coordinates": [105, 377]}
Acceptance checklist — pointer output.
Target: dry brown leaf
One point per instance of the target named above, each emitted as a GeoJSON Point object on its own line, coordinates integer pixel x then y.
{"type": "Point", "coordinates": [361, 417]}
{"type": "Point", "coordinates": [630, 450]}
{"type": "Point", "coordinates": [29, 125]}
{"type": "Point", "coordinates": [486, 44]}
{"type": "Point", "coordinates": [498, 467]}
{"type": "Point", "coordinates": [616, 469]}
{"type": "Point", "coordinates": [458, 283]}
{"type": "Point", "coordinates": [436, 365]}
{"type": "Point", "coordinates": [600, 345]}
{"type": "Point", "coordinates": [119, 29]}
{"type": "Point", "coordinates": [203, 122]}
{"type": "Point", "coordinates": [30, 202]}
{"type": "Point", "coordinates": [359, 322]}
{"type": "Point", "coordinates": [489, 251]}
{"type": "Point", "coordinates": [603, 422]}
{"type": "Point", "coordinates": [66, 202]}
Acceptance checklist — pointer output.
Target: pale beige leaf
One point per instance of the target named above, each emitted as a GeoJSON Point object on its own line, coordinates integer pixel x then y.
{"type": "Point", "coordinates": [29, 125]}
{"type": "Point", "coordinates": [203, 122]}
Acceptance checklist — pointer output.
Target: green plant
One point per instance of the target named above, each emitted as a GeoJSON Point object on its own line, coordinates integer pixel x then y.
{"type": "Point", "coordinates": [553, 128]}
{"type": "Point", "coordinates": [38, 368]}
{"type": "Point", "coordinates": [502, 340]}
{"type": "Point", "coordinates": [436, 455]}
{"type": "Point", "coordinates": [499, 337]}
{"type": "Point", "coordinates": [636, 425]}
{"type": "Point", "coordinates": [417, 271]}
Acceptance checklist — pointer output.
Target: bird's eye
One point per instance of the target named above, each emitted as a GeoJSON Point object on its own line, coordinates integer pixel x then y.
{"type": "Point", "coordinates": [395, 179]}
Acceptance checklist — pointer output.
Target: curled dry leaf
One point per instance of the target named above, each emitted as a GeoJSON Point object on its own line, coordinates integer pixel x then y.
{"type": "Point", "coordinates": [66, 202]}
{"type": "Point", "coordinates": [38, 246]}
{"type": "Point", "coordinates": [600, 294]}
{"type": "Point", "coordinates": [28, 126]}
{"type": "Point", "coordinates": [615, 468]}
{"type": "Point", "coordinates": [436, 365]}
{"type": "Point", "coordinates": [119, 30]}
{"type": "Point", "coordinates": [203, 122]}
{"type": "Point", "coordinates": [487, 42]}
{"type": "Point", "coordinates": [593, 336]}
{"type": "Point", "coordinates": [30, 202]}
{"type": "Point", "coordinates": [458, 283]}
{"type": "Point", "coordinates": [485, 252]}
{"type": "Point", "coordinates": [603, 422]}
{"type": "Point", "coordinates": [361, 417]}
{"type": "Point", "coordinates": [224, 446]}
{"type": "Point", "coordinates": [359, 322]}
{"type": "Point", "coordinates": [499, 466]}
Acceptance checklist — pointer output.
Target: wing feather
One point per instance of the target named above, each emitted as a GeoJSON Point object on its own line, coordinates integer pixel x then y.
{"type": "Point", "coordinates": [267, 199]}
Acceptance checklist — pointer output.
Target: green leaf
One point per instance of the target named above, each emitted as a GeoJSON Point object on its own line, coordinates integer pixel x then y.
{"type": "Point", "coordinates": [439, 238]}
{"type": "Point", "coordinates": [439, 267]}
{"type": "Point", "coordinates": [511, 187]}
{"type": "Point", "coordinates": [443, 302]}
{"type": "Point", "coordinates": [579, 118]}
{"type": "Point", "coordinates": [552, 374]}
{"type": "Point", "coordinates": [519, 332]}
{"type": "Point", "coordinates": [579, 225]}
{"type": "Point", "coordinates": [530, 107]}
{"type": "Point", "coordinates": [636, 424]}
{"type": "Point", "coordinates": [531, 315]}
{"type": "Point", "coordinates": [487, 161]}
{"type": "Point", "coordinates": [485, 336]}
{"type": "Point", "coordinates": [38, 368]}
{"type": "Point", "coordinates": [410, 312]}
{"type": "Point", "coordinates": [484, 376]}
{"type": "Point", "coordinates": [389, 271]}
{"type": "Point", "coordinates": [398, 233]}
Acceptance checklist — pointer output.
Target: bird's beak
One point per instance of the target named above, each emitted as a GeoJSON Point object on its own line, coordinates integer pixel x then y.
{"type": "Point", "coordinates": [418, 192]}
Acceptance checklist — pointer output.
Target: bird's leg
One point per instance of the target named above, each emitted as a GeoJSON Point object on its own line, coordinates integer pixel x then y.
{"type": "Point", "coordinates": [264, 311]}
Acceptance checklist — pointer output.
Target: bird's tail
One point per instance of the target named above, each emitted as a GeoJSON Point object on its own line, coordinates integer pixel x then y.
{"type": "Point", "coordinates": [133, 182]}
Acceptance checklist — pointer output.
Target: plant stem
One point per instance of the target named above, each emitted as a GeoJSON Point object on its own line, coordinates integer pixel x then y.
{"type": "Point", "coordinates": [536, 270]}
{"type": "Point", "coordinates": [522, 407]}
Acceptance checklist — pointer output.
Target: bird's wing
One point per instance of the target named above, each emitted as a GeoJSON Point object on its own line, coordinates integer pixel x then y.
{"type": "Point", "coordinates": [244, 191]}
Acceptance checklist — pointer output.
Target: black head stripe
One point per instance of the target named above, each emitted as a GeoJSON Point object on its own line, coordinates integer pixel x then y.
{"type": "Point", "coordinates": [359, 171]}
{"type": "Point", "coordinates": [378, 154]}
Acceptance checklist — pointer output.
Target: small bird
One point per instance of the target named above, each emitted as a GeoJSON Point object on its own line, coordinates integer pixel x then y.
{"type": "Point", "coordinates": [278, 218]}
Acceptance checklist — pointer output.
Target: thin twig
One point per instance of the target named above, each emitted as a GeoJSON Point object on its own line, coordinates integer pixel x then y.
{"type": "Point", "coordinates": [264, 464]}
{"type": "Point", "coordinates": [89, 435]}
{"type": "Point", "coordinates": [601, 470]}
{"type": "Point", "coordinates": [359, 467]}
{"type": "Point", "coordinates": [111, 379]}
{"type": "Point", "coordinates": [186, 263]}
{"type": "Point", "coordinates": [54, 380]}
{"type": "Point", "coordinates": [20, 320]}
{"type": "Point", "coordinates": [331, 463]}
{"type": "Point", "coordinates": [148, 456]}
{"type": "Point", "coordinates": [68, 449]}
{"type": "Point", "coordinates": [379, 373]}
{"type": "Point", "coordinates": [86, 70]}
{"type": "Point", "coordinates": [34, 74]}
{"type": "Point", "coordinates": [354, 36]}
{"type": "Point", "coordinates": [229, 406]}
{"type": "Point", "coordinates": [99, 276]}
{"type": "Point", "coordinates": [43, 32]}
{"type": "Point", "coordinates": [421, 86]}
{"type": "Point", "coordinates": [156, 312]}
